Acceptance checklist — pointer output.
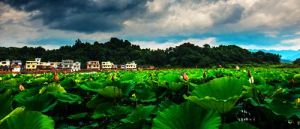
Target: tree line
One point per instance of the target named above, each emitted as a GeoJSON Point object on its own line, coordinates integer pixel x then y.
{"type": "Point", "coordinates": [121, 51]}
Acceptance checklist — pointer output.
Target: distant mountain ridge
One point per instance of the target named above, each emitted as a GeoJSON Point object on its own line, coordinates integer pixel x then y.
{"type": "Point", "coordinates": [286, 55]}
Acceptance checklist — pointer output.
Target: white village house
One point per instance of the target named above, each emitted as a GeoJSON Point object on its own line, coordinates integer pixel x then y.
{"type": "Point", "coordinates": [32, 65]}
{"type": "Point", "coordinates": [93, 65]}
{"type": "Point", "coordinates": [70, 64]}
{"type": "Point", "coordinates": [123, 66]}
{"type": "Point", "coordinates": [38, 60]}
{"type": "Point", "coordinates": [44, 65]}
{"type": "Point", "coordinates": [76, 66]}
{"type": "Point", "coordinates": [107, 65]}
{"type": "Point", "coordinates": [55, 65]}
{"type": "Point", "coordinates": [67, 64]}
{"type": "Point", "coordinates": [5, 63]}
{"type": "Point", "coordinates": [131, 65]}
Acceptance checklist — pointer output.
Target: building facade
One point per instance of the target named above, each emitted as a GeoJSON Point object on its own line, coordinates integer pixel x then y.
{"type": "Point", "coordinates": [5, 63]}
{"type": "Point", "coordinates": [67, 64]}
{"type": "Point", "coordinates": [76, 66]}
{"type": "Point", "coordinates": [31, 65]}
{"type": "Point", "coordinates": [95, 65]}
{"type": "Point", "coordinates": [131, 65]}
{"type": "Point", "coordinates": [55, 65]}
{"type": "Point", "coordinates": [107, 65]}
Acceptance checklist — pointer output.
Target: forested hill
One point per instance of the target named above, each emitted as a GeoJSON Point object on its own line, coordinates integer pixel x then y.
{"type": "Point", "coordinates": [121, 51]}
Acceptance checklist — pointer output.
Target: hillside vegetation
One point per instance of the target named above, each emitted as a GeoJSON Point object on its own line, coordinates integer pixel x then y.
{"type": "Point", "coordinates": [121, 51]}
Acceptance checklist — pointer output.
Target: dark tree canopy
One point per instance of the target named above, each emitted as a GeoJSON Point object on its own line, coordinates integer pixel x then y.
{"type": "Point", "coordinates": [297, 61]}
{"type": "Point", "coordinates": [122, 51]}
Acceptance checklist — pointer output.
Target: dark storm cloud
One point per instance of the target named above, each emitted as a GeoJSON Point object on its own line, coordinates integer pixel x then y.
{"type": "Point", "coordinates": [228, 15]}
{"type": "Point", "coordinates": [82, 15]}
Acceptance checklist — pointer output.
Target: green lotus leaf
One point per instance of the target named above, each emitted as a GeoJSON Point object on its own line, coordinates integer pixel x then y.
{"type": "Point", "coordinates": [238, 125]}
{"type": "Point", "coordinates": [6, 103]}
{"type": "Point", "coordinates": [68, 83]}
{"type": "Point", "coordinates": [220, 94]}
{"type": "Point", "coordinates": [127, 87]}
{"type": "Point", "coordinates": [120, 111]}
{"type": "Point", "coordinates": [285, 108]}
{"type": "Point", "coordinates": [110, 92]}
{"type": "Point", "coordinates": [186, 116]}
{"type": "Point", "coordinates": [144, 95]}
{"type": "Point", "coordinates": [170, 81]}
{"type": "Point", "coordinates": [108, 109]}
{"type": "Point", "coordinates": [37, 81]}
{"type": "Point", "coordinates": [127, 76]}
{"type": "Point", "coordinates": [297, 79]}
{"type": "Point", "coordinates": [140, 113]}
{"type": "Point", "coordinates": [265, 89]}
{"type": "Point", "coordinates": [66, 97]}
{"type": "Point", "coordinates": [34, 101]}
{"type": "Point", "coordinates": [259, 80]}
{"type": "Point", "coordinates": [95, 101]}
{"type": "Point", "coordinates": [92, 86]}
{"type": "Point", "coordinates": [10, 84]}
{"type": "Point", "coordinates": [67, 126]}
{"type": "Point", "coordinates": [28, 120]}
{"type": "Point", "coordinates": [12, 113]}
{"type": "Point", "coordinates": [52, 88]}
{"type": "Point", "coordinates": [165, 104]}
{"type": "Point", "coordinates": [101, 110]}
{"type": "Point", "coordinates": [78, 116]}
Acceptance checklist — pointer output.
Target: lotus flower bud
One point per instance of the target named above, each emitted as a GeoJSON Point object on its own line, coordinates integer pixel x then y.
{"type": "Point", "coordinates": [290, 122]}
{"type": "Point", "coordinates": [21, 87]}
{"type": "Point", "coordinates": [251, 80]}
{"type": "Point", "coordinates": [220, 66]}
{"type": "Point", "coordinates": [113, 78]}
{"type": "Point", "coordinates": [297, 101]}
{"type": "Point", "coordinates": [55, 78]}
{"type": "Point", "coordinates": [133, 95]}
{"type": "Point", "coordinates": [185, 77]}
{"type": "Point", "coordinates": [204, 74]}
{"type": "Point", "coordinates": [249, 74]}
{"type": "Point", "coordinates": [237, 67]}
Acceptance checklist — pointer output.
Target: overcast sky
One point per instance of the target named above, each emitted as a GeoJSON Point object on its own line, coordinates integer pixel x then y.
{"type": "Point", "coordinates": [252, 24]}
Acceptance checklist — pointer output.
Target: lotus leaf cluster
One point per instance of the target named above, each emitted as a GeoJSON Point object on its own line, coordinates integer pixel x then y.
{"type": "Point", "coordinates": [219, 94]}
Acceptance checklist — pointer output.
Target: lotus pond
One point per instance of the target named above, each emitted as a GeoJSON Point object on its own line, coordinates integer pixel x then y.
{"type": "Point", "coordinates": [163, 99]}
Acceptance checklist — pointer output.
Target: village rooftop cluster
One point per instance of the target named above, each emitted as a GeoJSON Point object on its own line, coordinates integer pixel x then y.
{"type": "Point", "coordinates": [70, 65]}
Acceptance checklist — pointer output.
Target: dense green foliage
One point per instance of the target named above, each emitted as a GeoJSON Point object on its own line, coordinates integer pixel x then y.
{"type": "Point", "coordinates": [202, 99]}
{"type": "Point", "coordinates": [297, 61]}
{"type": "Point", "coordinates": [119, 52]}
